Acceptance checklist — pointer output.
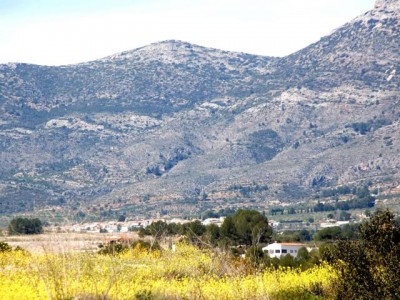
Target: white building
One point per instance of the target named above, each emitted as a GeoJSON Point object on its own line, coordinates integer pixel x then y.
{"type": "Point", "coordinates": [333, 224]}
{"type": "Point", "coordinates": [178, 221]}
{"type": "Point", "coordinates": [274, 224]}
{"type": "Point", "coordinates": [216, 221]}
{"type": "Point", "coordinates": [282, 249]}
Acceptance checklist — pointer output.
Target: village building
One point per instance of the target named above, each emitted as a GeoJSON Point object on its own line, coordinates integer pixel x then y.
{"type": "Point", "coordinates": [215, 221]}
{"type": "Point", "coordinates": [281, 249]}
{"type": "Point", "coordinates": [274, 224]}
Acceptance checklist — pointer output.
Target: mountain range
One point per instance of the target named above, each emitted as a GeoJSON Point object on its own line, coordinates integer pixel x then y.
{"type": "Point", "coordinates": [175, 128]}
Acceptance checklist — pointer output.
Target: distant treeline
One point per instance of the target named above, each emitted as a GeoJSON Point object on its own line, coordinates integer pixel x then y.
{"type": "Point", "coordinates": [244, 227]}
{"type": "Point", "coordinates": [362, 199]}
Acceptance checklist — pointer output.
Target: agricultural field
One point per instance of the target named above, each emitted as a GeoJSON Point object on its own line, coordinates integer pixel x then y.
{"type": "Point", "coordinates": [186, 272]}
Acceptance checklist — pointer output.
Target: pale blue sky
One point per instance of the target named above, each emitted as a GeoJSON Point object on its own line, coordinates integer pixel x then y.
{"type": "Point", "coordinates": [55, 32]}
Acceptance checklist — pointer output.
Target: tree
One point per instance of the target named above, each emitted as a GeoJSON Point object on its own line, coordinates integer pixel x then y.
{"type": "Point", "coordinates": [350, 232]}
{"type": "Point", "coordinates": [174, 228]}
{"type": "Point", "coordinates": [305, 235]}
{"type": "Point", "coordinates": [157, 230]}
{"type": "Point", "coordinates": [212, 234]}
{"type": "Point", "coordinates": [25, 226]}
{"type": "Point", "coordinates": [195, 228]}
{"type": "Point", "coordinates": [194, 231]}
{"type": "Point", "coordinates": [330, 233]}
{"type": "Point", "coordinates": [228, 229]}
{"type": "Point", "coordinates": [302, 254]}
{"type": "Point", "coordinates": [368, 267]}
{"type": "Point", "coordinates": [248, 227]}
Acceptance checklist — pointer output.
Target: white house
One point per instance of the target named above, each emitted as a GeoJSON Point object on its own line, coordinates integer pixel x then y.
{"type": "Point", "coordinates": [274, 224]}
{"type": "Point", "coordinates": [334, 224]}
{"type": "Point", "coordinates": [282, 249]}
{"type": "Point", "coordinates": [216, 221]}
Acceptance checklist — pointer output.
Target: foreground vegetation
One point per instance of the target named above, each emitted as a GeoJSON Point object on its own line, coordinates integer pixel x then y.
{"type": "Point", "coordinates": [362, 268]}
{"type": "Point", "coordinates": [368, 267]}
{"type": "Point", "coordinates": [186, 273]}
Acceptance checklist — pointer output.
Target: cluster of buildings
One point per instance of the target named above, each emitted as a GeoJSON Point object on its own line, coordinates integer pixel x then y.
{"type": "Point", "coordinates": [114, 226]}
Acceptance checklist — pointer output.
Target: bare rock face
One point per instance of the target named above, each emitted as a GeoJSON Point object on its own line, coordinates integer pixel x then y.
{"type": "Point", "coordinates": [178, 128]}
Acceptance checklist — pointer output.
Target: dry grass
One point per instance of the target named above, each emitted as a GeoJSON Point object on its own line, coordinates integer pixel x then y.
{"type": "Point", "coordinates": [64, 242]}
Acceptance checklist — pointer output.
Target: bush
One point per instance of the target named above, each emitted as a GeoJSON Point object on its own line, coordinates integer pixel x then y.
{"type": "Point", "coordinates": [4, 247]}
{"type": "Point", "coordinates": [117, 247]}
{"type": "Point", "coordinates": [288, 261]}
{"type": "Point", "coordinates": [370, 125]}
{"type": "Point", "coordinates": [113, 248]}
{"type": "Point", "coordinates": [25, 226]}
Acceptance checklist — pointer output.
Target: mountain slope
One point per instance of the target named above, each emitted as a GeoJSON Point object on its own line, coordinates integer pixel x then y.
{"type": "Point", "coordinates": [174, 127]}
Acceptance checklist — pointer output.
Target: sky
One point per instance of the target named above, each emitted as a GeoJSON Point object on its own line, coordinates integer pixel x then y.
{"type": "Point", "coordinates": [59, 32]}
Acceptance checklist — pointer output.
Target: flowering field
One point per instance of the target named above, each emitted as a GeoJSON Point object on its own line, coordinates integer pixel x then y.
{"type": "Point", "coordinates": [187, 273]}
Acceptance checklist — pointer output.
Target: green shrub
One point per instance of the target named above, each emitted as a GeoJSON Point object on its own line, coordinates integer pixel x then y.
{"type": "Point", "coordinates": [117, 247]}
{"type": "Point", "coordinates": [4, 247]}
{"type": "Point", "coordinates": [25, 226]}
{"type": "Point", "coordinates": [113, 248]}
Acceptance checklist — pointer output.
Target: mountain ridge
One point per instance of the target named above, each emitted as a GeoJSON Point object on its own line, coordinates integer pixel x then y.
{"type": "Point", "coordinates": [178, 128]}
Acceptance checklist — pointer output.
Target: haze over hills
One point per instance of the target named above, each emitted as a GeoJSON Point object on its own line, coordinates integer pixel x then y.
{"type": "Point", "coordinates": [178, 127]}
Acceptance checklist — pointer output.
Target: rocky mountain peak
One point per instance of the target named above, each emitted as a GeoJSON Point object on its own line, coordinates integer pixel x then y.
{"type": "Point", "coordinates": [387, 4]}
{"type": "Point", "coordinates": [168, 50]}
{"type": "Point", "coordinates": [176, 52]}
